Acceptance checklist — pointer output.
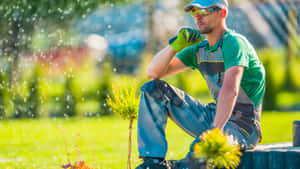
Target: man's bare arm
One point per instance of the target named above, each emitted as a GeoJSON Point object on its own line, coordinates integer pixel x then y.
{"type": "Point", "coordinates": [164, 64]}
{"type": "Point", "coordinates": [228, 95]}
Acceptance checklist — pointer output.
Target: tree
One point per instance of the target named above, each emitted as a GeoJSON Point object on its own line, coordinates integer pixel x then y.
{"type": "Point", "coordinates": [291, 54]}
{"type": "Point", "coordinates": [124, 101]}
{"type": "Point", "coordinates": [20, 18]}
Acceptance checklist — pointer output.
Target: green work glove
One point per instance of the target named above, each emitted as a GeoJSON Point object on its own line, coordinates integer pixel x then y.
{"type": "Point", "coordinates": [185, 37]}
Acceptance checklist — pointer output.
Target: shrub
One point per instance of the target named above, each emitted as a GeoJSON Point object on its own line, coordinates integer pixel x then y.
{"type": "Point", "coordinates": [33, 95]}
{"type": "Point", "coordinates": [271, 91]}
{"type": "Point", "coordinates": [105, 87]}
{"type": "Point", "coordinates": [2, 94]}
{"type": "Point", "coordinates": [272, 60]}
{"type": "Point", "coordinates": [218, 150]}
{"type": "Point", "coordinates": [68, 100]}
{"type": "Point", "coordinates": [26, 97]}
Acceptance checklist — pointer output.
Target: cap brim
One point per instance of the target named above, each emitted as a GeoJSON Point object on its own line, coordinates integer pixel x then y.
{"type": "Point", "coordinates": [189, 6]}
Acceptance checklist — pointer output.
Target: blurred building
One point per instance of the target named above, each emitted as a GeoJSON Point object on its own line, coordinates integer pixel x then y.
{"type": "Point", "coordinates": [124, 28]}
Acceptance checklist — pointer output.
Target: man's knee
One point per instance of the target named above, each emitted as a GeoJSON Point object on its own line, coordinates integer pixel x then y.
{"type": "Point", "coordinates": [152, 85]}
{"type": "Point", "coordinates": [160, 90]}
{"type": "Point", "coordinates": [154, 89]}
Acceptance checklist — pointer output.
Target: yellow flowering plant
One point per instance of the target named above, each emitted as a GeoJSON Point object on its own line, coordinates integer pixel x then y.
{"type": "Point", "coordinates": [219, 150]}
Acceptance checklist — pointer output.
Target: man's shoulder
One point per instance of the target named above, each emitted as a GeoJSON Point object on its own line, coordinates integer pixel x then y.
{"type": "Point", "coordinates": [235, 40]}
{"type": "Point", "coordinates": [233, 37]}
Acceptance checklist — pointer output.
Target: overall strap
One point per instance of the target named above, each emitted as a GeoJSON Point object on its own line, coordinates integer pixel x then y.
{"type": "Point", "coordinates": [221, 41]}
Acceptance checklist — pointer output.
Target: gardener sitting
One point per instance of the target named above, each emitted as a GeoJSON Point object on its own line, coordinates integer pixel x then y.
{"type": "Point", "coordinates": [234, 75]}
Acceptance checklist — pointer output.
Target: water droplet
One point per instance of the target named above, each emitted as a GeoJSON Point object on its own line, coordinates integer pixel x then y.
{"type": "Point", "coordinates": [59, 10]}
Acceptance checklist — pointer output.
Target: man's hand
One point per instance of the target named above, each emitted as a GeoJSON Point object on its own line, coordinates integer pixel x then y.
{"type": "Point", "coordinates": [185, 37]}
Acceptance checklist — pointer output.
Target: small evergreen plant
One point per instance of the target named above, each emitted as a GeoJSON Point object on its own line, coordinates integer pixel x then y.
{"type": "Point", "coordinates": [124, 101]}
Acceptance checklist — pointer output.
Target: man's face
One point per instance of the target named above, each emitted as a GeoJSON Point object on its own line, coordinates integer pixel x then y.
{"type": "Point", "coordinates": [208, 21]}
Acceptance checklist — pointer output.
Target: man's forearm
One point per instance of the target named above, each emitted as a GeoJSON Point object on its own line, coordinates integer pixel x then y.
{"type": "Point", "coordinates": [226, 102]}
{"type": "Point", "coordinates": [159, 64]}
{"type": "Point", "coordinates": [228, 95]}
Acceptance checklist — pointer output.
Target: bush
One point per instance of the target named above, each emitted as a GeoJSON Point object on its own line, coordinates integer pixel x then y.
{"type": "Point", "coordinates": [2, 94]}
{"type": "Point", "coordinates": [26, 97]}
{"type": "Point", "coordinates": [274, 75]}
{"type": "Point", "coordinates": [105, 87]}
{"type": "Point", "coordinates": [219, 150]}
{"type": "Point", "coordinates": [33, 98]}
{"type": "Point", "coordinates": [20, 109]}
{"type": "Point", "coordinates": [68, 100]}
{"type": "Point", "coordinates": [271, 91]}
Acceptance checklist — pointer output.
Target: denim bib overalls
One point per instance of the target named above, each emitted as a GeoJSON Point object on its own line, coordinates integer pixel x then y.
{"type": "Point", "coordinates": [160, 100]}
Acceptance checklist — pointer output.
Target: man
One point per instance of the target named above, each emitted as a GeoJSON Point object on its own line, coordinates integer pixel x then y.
{"type": "Point", "coordinates": [234, 75]}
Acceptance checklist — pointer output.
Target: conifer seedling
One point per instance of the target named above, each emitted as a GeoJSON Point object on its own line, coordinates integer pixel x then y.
{"type": "Point", "coordinates": [124, 101]}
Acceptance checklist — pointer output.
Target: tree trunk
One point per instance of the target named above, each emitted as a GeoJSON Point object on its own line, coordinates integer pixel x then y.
{"type": "Point", "coordinates": [129, 144]}
{"type": "Point", "coordinates": [15, 50]}
{"type": "Point", "coordinates": [150, 24]}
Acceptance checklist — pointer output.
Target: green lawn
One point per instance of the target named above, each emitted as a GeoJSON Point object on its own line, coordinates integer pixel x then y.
{"type": "Point", "coordinates": [101, 142]}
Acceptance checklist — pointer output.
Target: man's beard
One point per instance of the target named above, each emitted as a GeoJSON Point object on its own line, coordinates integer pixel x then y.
{"type": "Point", "coordinates": [206, 30]}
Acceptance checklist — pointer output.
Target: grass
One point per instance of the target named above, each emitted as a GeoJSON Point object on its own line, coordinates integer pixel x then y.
{"type": "Point", "coordinates": [101, 142]}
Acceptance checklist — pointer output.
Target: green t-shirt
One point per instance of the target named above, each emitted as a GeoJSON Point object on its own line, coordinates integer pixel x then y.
{"type": "Point", "coordinates": [231, 50]}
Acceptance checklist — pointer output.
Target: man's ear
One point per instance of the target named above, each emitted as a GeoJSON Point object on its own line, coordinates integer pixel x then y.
{"type": "Point", "coordinates": [224, 13]}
